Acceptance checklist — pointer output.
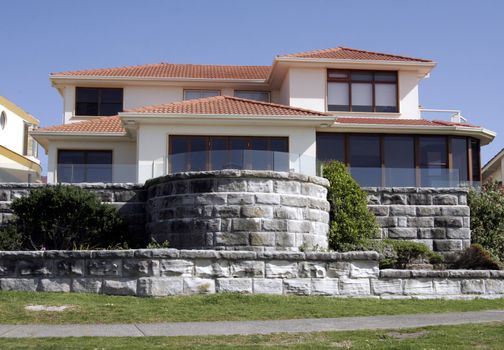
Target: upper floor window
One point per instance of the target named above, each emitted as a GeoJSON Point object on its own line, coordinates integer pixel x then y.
{"type": "Point", "coordinates": [98, 101]}
{"type": "Point", "coordinates": [362, 91]}
{"type": "Point", "coordinates": [262, 96]}
{"type": "Point", "coordinates": [193, 94]}
{"type": "Point", "coordinates": [3, 120]}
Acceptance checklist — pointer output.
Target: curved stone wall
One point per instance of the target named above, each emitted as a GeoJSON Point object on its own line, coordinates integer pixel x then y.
{"type": "Point", "coordinates": [231, 209]}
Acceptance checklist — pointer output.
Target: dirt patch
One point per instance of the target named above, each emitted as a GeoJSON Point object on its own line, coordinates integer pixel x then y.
{"type": "Point", "coordinates": [412, 335]}
{"type": "Point", "coordinates": [45, 308]}
{"type": "Point", "coordinates": [345, 344]}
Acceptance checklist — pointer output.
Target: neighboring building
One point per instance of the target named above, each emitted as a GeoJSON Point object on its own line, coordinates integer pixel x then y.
{"type": "Point", "coordinates": [359, 107]}
{"type": "Point", "coordinates": [492, 170]}
{"type": "Point", "coordinates": [18, 150]}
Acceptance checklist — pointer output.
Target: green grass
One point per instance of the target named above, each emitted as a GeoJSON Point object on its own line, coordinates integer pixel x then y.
{"type": "Point", "coordinates": [92, 308]}
{"type": "Point", "coordinates": [479, 336]}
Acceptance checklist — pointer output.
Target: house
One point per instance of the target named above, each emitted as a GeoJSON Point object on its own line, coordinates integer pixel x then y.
{"type": "Point", "coordinates": [492, 170]}
{"type": "Point", "coordinates": [129, 124]}
{"type": "Point", "coordinates": [18, 150]}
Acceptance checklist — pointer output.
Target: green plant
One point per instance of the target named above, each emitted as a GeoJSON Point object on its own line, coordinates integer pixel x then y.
{"type": "Point", "coordinates": [487, 218]}
{"type": "Point", "coordinates": [64, 217]}
{"type": "Point", "coordinates": [10, 238]}
{"type": "Point", "coordinates": [477, 258]}
{"type": "Point", "coordinates": [351, 221]}
{"type": "Point", "coordinates": [156, 245]}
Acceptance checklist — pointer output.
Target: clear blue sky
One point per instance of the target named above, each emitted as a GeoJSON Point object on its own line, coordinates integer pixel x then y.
{"type": "Point", "coordinates": [465, 38]}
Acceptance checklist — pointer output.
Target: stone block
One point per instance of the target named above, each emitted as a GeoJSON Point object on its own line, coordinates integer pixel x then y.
{"type": "Point", "coordinates": [459, 210]}
{"type": "Point", "coordinates": [297, 286]}
{"type": "Point", "coordinates": [250, 225]}
{"type": "Point", "coordinates": [312, 214]}
{"type": "Point", "coordinates": [494, 286]}
{"type": "Point", "coordinates": [446, 245]}
{"type": "Point", "coordinates": [312, 190]}
{"type": "Point", "coordinates": [274, 225]}
{"type": "Point", "coordinates": [159, 286]}
{"type": "Point", "coordinates": [392, 273]}
{"type": "Point", "coordinates": [364, 269]}
{"type": "Point", "coordinates": [447, 287]}
{"type": "Point", "coordinates": [386, 221]}
{"type": "Point", "coordinates": [402, 221]}
{"type": "Point", "coordinates": [379, 210]}
{"type": "Point", "coordinates": [458, 233]}
{"type": "Point", "coordinates": [251, 268]}
{"type": "Point", "coordinates": [402, 233]}
{"type": "Point", "coordinates": [136, 267]}
{"type": "Point", "coordinates": [256, 211]}
{"type": "Point", "coordinates": [354, 286]}
{"type": "Point", "coordinates": [238, 255]}
{"type": "Point", "coordinates": [281, 269]}
{"type": "Point", "coordinates": [234, 285]}
{"type": "Point", "coordinates": [240, 199]}
{"type": "Point", "coordinates": [448, 221]}
{"type": "Point", "coordinates": [232, 238]}
{"type": "Point", "coordinates": [432, 233]}
{"type": "Point", "coordinates": [262, 239]}
{"type": "Point", "coordinates": [19, 284]}
{"type": "Point", "coordinates": [257, 185]}
{"type": "Point", "coordinates": [473, 286]}
{"type": "Point", "coordinates": [299, 226]}
{"type": "Point", "coordinates": [285, 239]}
{"type": "Point", "coordinates": [230, 185]}
{"type": "Point", "coordinates": [104, 267]}
{"type": "Point", "coordinates": [428, 210]}
{"type": "Point", "coordinates": [226, 211]}
{"type": "Point", "coordinates": [419, 286]}
{"type": "Point", "coordinates": [419, 199]}
{"type": "Point", "coordinates": [295, 201]}
{"type": "Point", "coordinates": [207, 268]}
{"type": "Point", "coordinates": [445, 199]}
{"type": "Point", "coordinates": [55, 285]}
{"type": "Point", "coordinates": [325, 286]}
{"type": "Point", "coordinates": [386, 286]}
{"type": "Point", "coordinates": [201, 186]}
{"type": "Point", "coordinates": [288, 213]}
{"type": "Point", "coordinates": [210, 199]}
{"type": "Point", "coordinates": [421, 222]}
{"type": "Point", "coordinates": [267, 286]}
{"type": "Point", "coordinates": [338, 269]}
{"type": "Point", "coordinates": [7, 268]}
{"type": "Point", "coordinates": [267, 198]}
{"type": "Point", "coordinates": [287, 187]}
{"type": "Point", "coordinates": [320, 204]}
{"type": "Point", "coordinates": [199, 286]}
{"type": "Point", "coordinates": [121, 286]}
{"type": "Point", "coordinates": [35, 267]}
{"type": "Point", "coordinates": [86, 285]}
{"type": "Point", "coordinates": [309, 269]}
{"type": "Point", "coordinates": [402, 210]}
{"type": "Point", "coordinates": [391, 199]}
{"type": "Point", "coordinates": [373, 199]}
{"type": "Point", "coordinates": [182, 268]}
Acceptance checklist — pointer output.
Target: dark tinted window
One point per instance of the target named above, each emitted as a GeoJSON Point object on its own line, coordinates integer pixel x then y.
{"type": "Point", "coordinates": [84, 166]}
{"type": "Point", "coordinates": [98, 101]}
{"type": "Point", "coordinates": [476, 165]}
{"type": "Point", "coordinates": [364, 159]}
{"type": "Point", "coordinates": [399, 160]}
{"type": "Point", "coordinates": [459, 156]}
{"type": "Point", "coordinates": [433, 161]}
{"type": "Point", "coordinates": [330, 146]}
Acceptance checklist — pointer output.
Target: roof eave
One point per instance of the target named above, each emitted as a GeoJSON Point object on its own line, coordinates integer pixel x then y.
{"type": "Point", "coordinates": [430, 64]}
{"type": "Point", "coordinates": [140, 116]}
{"type": "Point", "coordinates": [55, 78]}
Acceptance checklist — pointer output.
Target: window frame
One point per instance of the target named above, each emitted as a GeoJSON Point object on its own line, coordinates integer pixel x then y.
{"type": "Point", "coordinates": [349, 81]}
{"type": "Point", "coordinates": [260, 91]}
{"type": "Point", "coordinates": [99, 101]}
{"type": "Point", "coordinates": [86, 151]}
{"type": "Point", "coordinates": [219, 93]}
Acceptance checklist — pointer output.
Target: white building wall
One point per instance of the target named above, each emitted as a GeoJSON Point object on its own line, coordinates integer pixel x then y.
{"type": "Point", "coordinates": [12, 136]}
{"type": "Point", "coordinates": [123, 157]}
{"type": "Point", "coordinates": [284, 93]}
{"type": "Point", "coordinates": [308, 88]}
{"type": "Point", "coordinates": [153, 141]}
{"type": "Point", "coordinates": [408, 95]}
{"type": "Point", "coordinates": [68, 103]}
{"type": "Point", "coordinates": [139, 96]}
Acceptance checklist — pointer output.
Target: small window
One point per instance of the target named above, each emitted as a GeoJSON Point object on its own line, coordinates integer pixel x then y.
{"type": "Point", "coordinates": [84, 166]}
{"type": "Point", "coordinates": [98, 101]}
{"type": "Point", "coordinates": [194, 94]}
{"type": "Point", "coordinates": [262, 96]}
{"type": "Point", "coordinates": [3, 120]}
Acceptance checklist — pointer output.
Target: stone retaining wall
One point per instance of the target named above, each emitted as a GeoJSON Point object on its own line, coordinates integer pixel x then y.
{"type": "Point", "coordinates": [437, 217]}
{"type": "Point", "coordinates": [161, 272]}
{"type": "Point", "coordinates": [233, 209]}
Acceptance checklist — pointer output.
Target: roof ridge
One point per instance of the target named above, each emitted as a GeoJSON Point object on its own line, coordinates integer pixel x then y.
{"type": "Point", "coordinates": [385, 54]}
{"type": "Point", "coordinates": [277, 105]}
{"type": "Point", "coordinates": [108, 68]}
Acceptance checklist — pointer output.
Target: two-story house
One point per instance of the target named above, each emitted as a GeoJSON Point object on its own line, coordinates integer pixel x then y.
{"type": "Point", "coordinates": [18, 150]}
{"type": "Point", "coordinates": [359, 107]}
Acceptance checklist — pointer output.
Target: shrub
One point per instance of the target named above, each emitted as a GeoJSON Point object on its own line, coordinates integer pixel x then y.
{"type": "Point", "coordinates": [487, 218]}
{"type": "Point", "coordinates": [477, 258]}
{"type": "Point", "coordinates": [66, 217]}
{"type": "Point", "coordinates": [10, 238]}
{"type": "Point", "coordinates": [351, 221]}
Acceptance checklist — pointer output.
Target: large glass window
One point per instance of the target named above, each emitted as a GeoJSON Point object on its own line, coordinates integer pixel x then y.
{"type": "Point", "coordinates": [399, 160]}
{"type": "Point", "coordinates": [433, 161]}
{"type": "Point", "coordinates": [194, 94]}
{"type": "Point", "coordinates": [475, 161]}
{"type": "Point", "coordinates": [84, 166]}
{"type": "Point", "coordinates": [362, 91]}
{"type": "Point", "coordinates": [196, 153]}
{"type": "Point", "coordinates": [98, 101]}
{"type": "Point", "coordinates": [459, 158]}
{"type": "Point", "coordinates": [263, 96]}
{"type": "Point", "coordinates": [364, 159]}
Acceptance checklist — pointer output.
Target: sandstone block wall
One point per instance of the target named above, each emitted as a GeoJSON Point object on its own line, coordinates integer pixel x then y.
{"type": "Point", "coordinates": [231, 209]}
{"type": "Point", "coordinates": [163, 272]}
{"type": "Point", "coordinates": [437, 217]}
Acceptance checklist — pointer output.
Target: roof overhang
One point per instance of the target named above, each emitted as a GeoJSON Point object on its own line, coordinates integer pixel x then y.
{"type": "Point", "coordinates": [484, 135]}
{"type": "Point", "coordinates": [20, 159]}
{"type": "Point", "coordinates": [27, 117]}
{"type": "Point", "coordinates": [43, 138]}
{"type": "Point", "coordinates": [493, 163]}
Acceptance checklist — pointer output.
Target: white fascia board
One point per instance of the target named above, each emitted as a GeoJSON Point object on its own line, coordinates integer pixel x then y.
{"type": "Point", "coordinates": [55, 78]}
{"type": "Point", "coordinates": [493, 161]}
{"type": "Point", "coordinates": [357, 62]}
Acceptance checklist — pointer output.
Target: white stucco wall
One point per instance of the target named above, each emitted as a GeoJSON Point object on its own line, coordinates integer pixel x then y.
{"type": "Point", "coordinates": [408, 95]}
{"type": "Point", "coordinates": [307, 88]}
{"type": "Point", "coordinates": [68, 103]}
{"type": "Point", "coordinates": [139, 96]}
{"type": "Point", "coordinates": [12, 136]}
{"type": "Point", "coordinates": [123, 157]}
{"type": "Point", "coordinates": [153, 141]}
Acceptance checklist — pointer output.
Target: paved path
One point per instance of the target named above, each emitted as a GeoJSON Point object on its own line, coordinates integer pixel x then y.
{"type": "Point", "coordinates": [249, 327]}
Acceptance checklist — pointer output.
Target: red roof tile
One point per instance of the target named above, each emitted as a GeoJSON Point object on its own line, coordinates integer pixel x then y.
{"type": "Point", "coordinates": [345, 53]}
{"type": "Point", "coordinates": [227, 105]}
{"type": "Point", "coordinates": [170, 70]}
{"type": "Point", "coordinates": [405, 122]}
{"type": "Point", "coordinates": [105, 125]}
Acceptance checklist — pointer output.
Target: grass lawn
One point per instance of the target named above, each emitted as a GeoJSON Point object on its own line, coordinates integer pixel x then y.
{"type": "Point", "coordinates": [481, 336]}
{"type": "Point", "coordinates": [92, 308]}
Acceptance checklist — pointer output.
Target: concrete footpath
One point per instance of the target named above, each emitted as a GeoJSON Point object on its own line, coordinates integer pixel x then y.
{"type": "Point", "coordinates": [249, 327]}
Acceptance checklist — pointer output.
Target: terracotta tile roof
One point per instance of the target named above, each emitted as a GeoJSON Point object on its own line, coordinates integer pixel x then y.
{"type": "Point", "coordinates": [104, 125]}
{"type": "Point", "coordinates": [227, 105]}
{"type": "Point", "coordinates": [346, 53]}
{"type": "Point", "coordinates": [405, 122]}
{"type": "Point", "coordinates": [170, 70]}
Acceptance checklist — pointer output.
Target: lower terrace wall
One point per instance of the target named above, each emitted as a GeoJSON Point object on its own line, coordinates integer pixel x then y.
{"type": "Point", "coordinates": [162, 272]}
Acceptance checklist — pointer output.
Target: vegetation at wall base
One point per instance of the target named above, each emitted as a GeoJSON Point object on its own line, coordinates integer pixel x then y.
{"type": "Point", "coordinates": [487, 218]}
{"type": "Point", "coordinates": [477, 258]}
{"type": "Point", "coordinates": [63, 218]}
{"type": "Point", "coordinates": [351, 222]}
